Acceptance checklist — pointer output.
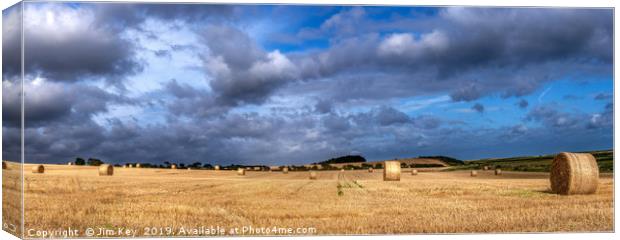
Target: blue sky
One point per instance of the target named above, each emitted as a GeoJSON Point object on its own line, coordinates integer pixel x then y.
{"type": "Point", "coordinates": [285, 84]}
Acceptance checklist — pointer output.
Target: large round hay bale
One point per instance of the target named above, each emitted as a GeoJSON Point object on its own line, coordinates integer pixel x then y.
{"type": "Point", "coordinates": [70, 163]}
{"type": "Point", "coordinates": [498, 171]}
{"type": "Point", "coordinates": [370, 170]}
{"type": "Point", "coordinates": [138, 165]}
{"type": "Point", "coordinates": [485, 168]}
{"type": "Point", "coordinates": [106, 170]}
{"type": "Point", "coordinates": [414, 172]}
{"type": "Point", "coordinates": [241, 171]}
{"type": "Point", "coordinates": [173, 166]}
{"type": "Point", "coordinates": [391, 171]}
{"type": "Point", "coordinates": [473, 173]}
{"type": "Point", "coordinates": [217, 167]}
{"type": "Point", "coordinates": [312, 175]}
{"type": "Point", "coordinates": [574, 173]}
{"type": "Point", "coordinates": [38, 169]}
{"type": "Point", "coordinates": [285, 170]}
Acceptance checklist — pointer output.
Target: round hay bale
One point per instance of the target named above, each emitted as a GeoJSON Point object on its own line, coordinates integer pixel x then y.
{"type": "Point", "coordinates": [106, 170]}
{"type": "Point", "coordinates": [574, 173]}
{"type": "Point", "coordinates": [473, 173]}
{"type": "Point", "coordinates": [70, 163]}
{"type": "Point", "coordinates": [285, 170]}
{"type": "Point", "coordinates": [189, 169]}
{"type": "Point", "coordinates": [4, 165]}
{"type": "Point", "coordinates": [414, 172]}
{"type": "Point", "coordinates": [370, 170]}
{"type": "Point", "coordinates": [248, 168]}
{"type": "Point", "coordinates": [391, 171]}
{"type": "Point", "coordinates": [125, 166]}
{"type": "Point", "coordinates": [38, 169]}
{"type": "Point", "coordinates": [241, 171]}
{"type": "Point", "coordinates": [173, 166]}
{"type": "Point", "coordinates": [498, 171]}
{"type": "Point", "coordinates": [341, 170]}
{"type": "Point", "coordinates": [312, 175]}
{"type": "Point", "coordinates": [138, 165]}
{"type": "Point", "coordinates": [256, 168]}
{"type": "Point", "coordinates": [217, 167]}
{"type": "Point", "coordinates": [485, 168]}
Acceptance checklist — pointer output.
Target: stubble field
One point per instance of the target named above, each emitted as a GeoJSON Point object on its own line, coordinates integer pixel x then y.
{"type": "Point", "coordinates": [160, 202]}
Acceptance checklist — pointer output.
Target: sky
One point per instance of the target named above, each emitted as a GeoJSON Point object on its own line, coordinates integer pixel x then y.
{"type": "Point", "coordinates": [286, 84]}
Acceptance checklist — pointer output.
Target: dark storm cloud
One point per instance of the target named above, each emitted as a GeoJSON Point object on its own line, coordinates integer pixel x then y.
{"type": "Point", "coordinates": [244, 72]}
{"type": "Point", "coordinates": [66, 45]}
{"type": "Point", "coordinates": [132, 15]}
{"type": "Point", "coordinates": [523, 103]}
{"type": "Point", "coordinates": [474, 52]}
{"type": "Point", "coordinates": [49, 102]}
{"type": "Point", "coordinates": [388, 116]}
{"type": "Point", "coordinates": [478, 108]}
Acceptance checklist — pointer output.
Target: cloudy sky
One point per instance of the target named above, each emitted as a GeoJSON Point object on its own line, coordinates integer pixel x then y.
{"type": "Point", "coordinates": [261, 84]}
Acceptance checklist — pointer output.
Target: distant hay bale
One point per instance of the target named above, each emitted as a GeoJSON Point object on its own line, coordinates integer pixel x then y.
{"type": "Point", "coordinates": [414, 171]}
{"type": "Point", "coordinates": [189, 169]}
{"type": "Point", "coordinates": [125, 166]}
{"type": "Point", "coordinates": [248, 168]}
{"type": "Point", "coordinates": [498, 171]}
{"type": "Point", "coordinates": [341, 170]}
{"type": "Point", "coordinates": [574, 173]}
{"type": "Point", "coordinates": [241, 171]}
{"type": "Point", "coordinates": [285, 170]}
{"type": "Point", "coordinates": [474, 173]}
{"type": "Point", "coordinates": [38, 169]}
{"type": "Point", "coordinates": [106, 170]}
{"type": "Point", "coordinates": [70, 163]}
{"type": "Point", "coordinates": [138, 165]}
{"type": "Point", "coordinates": [256, 168]}
{"type": "Point", "coordinates": [312, 175]}
{"type": "Point", "coordinates": [173, 166]}
{"type": "Point", "coordinates": [391, 171]}
{"type": "Point", "coordinates": [370, 170]}
{"type": "Point", "coordinates": [4, 165]}
{"type": "Point", "coordinates": [485, 168]}
{"type": "Point", "coordinates": [217, 167]}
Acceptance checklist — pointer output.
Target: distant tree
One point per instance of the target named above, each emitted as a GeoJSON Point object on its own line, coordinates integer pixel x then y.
{"type": "Point", "coordinates": [94, 162]}
{"type": "Point", "coordinates": [378, 166]}
{"type": "Point", "coordinates": [403, 165]}
{"type": "Point", "coordinates": [208, 166]}
{"type": "Point", "coordinates": [80, 161]}
{"type": "Point", "coordinates": [166, 163]}
{"type": "Point", "coordinates": [365, 165]}
{"type": "Point", "coordinates": [182, 165]}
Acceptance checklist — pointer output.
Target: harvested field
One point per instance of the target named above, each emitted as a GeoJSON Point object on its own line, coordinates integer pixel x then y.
{"type": "Point", "coordinates": [350, 202]}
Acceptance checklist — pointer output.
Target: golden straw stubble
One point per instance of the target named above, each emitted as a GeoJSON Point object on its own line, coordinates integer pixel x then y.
{"type": "Point", "coordinates": [106, 170]}
{"type": "Point", "coordinates": [391, 171]}
{"type": "Point", "coordinates": [38, 169]}
{"type": "Point", "coordinates": [574, 173]}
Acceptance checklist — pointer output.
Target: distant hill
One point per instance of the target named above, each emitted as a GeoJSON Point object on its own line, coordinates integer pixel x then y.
{"type": "Point", "coordinates": [344, 159]}
{"type": "Point", "coordinates": [541, 163]}
{"type": "Point", "coordinates": [448, 160]}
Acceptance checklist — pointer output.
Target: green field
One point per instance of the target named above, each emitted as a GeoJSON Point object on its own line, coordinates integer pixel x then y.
{"type": "Point", "coordinates": [540, 163]}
